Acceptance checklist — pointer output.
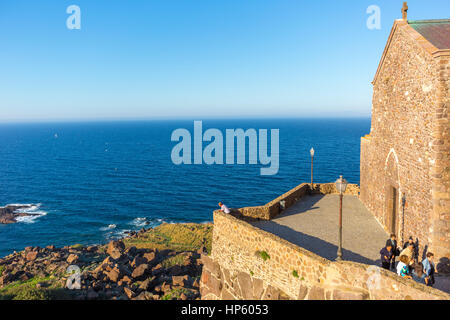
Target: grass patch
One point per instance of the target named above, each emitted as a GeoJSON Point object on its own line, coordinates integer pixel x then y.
{"type": "Point", "coordinates": [1, 270]}
{"type": "Point", "coordinates": [174, 260]}
{"type": "Point", "coordinates": [26, 290]}
{"type": "Point", "coordinates": [295, 273]}
{"type": "Point", "coordinates": [176, 293]}
{"type": "Point", "coordinates": [177, 237]}
{"type": "Point", "coordinates": [263, 255]}
{"type": "Point", "coordinates": [77, 246]}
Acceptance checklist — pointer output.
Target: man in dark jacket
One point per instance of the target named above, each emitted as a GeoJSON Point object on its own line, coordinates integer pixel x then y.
{"type": "Point", "coordinates": [386, 256]}
{"type": "Point", "coordinates": [395, 250]}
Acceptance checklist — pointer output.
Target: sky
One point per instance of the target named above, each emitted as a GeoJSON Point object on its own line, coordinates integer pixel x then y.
{"type": "Point", "coordinates": [149, 59]}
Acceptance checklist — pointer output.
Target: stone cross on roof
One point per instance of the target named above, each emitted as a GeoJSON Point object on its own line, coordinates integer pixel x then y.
{"type": "Point", "coordinates": [405, 11]}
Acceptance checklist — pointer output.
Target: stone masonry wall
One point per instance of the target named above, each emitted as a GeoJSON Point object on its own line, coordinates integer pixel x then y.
{"type": "Point", "coordinates": [249, 263]}
{"type": "Point", "coordinates": [408, 144]}
{"type": "Point", "coordinates": [274, 207]}
{"type": "Point", "coordinates": [440, 172]}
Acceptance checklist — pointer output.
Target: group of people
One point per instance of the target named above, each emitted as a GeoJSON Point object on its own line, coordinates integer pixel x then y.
{"type": "Point", "coordinates": [408, 265]}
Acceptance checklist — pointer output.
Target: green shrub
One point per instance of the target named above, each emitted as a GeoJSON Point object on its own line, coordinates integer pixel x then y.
{"type": "Point", "coordinates": [295, 273]}
{"type": "Point", "coordinates": [263, 255]}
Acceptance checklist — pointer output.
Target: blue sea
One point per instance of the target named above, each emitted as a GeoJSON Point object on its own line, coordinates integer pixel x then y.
{"type": "Point", "coordinates": [93, 181]}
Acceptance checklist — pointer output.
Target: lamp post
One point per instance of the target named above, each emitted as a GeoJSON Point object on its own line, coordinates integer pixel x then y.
{"type": "Point", "coordinates": [312, 161]}
{"type": "Point", "coordinates": [341, 185]}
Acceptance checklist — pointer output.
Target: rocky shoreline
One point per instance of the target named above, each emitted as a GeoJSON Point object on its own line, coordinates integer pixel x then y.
{"type": "Point", "coordinates": [137, 267]}
{"type": "Point", "coordinates": [9, 213]}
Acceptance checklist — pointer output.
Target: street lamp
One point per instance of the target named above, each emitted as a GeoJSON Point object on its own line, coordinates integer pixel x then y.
{"type": "Point", "coordinates": [341, 185]}
{"type": "Point", "coordinates": [312, 161]}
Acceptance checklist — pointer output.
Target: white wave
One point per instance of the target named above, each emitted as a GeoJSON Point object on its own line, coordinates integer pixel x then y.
{"type": "Point", "coordinates": [109, 227]}
{"type": "Point", "coordinates": [31, 209]}
{"type": "Point", "coordinates": [140, 222]}
{"type": "Point", "coordinates": [31, 219]}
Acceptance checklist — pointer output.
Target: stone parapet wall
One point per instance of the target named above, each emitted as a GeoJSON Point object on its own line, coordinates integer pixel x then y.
{"type": "Point", "coordinates": [276, 206]}
{"type": "Point", "coordinates": [249, 263]}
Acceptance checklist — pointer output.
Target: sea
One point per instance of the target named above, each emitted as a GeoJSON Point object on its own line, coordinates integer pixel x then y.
{"type": "Point", "coordinates": [90, 182]}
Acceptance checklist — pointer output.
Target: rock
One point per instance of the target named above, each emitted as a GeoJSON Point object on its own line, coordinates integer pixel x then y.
{"type": "Point", "coordinates": [130, 294]}
{"type": "Point", "coordinates": [137, 261]}
{"type": "Point", "coordinates": [150, 257]}
{"type": "Point", "coordinates": [92, 248]}
{"type": "Point", "coordinates": [113, 275]}
{"type": "Point", "coordinates": [115, 249]}
{"type": "Point", "coordinates": [132, 251]}
{"type": "Point", "coordinates": [72, 258]}
{"type": "Point", "coordinates": [31, 256]}
{"type": "Point", "coordinates": [157, 270]}
{"type": "Point", "coordinates": [144, 296]}
{"type": "Point", "coordinates": [140, 271]}
{"type": "Point", "coordinates": [51, 247]}
{"type": "Point", "coordinates": [180, 280]}
{"type": "Point", "coordinates": [183, 296]}
{"type": "Point", "coordinates": [147, 284]}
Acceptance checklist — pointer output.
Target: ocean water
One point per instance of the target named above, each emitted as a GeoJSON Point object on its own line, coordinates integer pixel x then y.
{"type": "Point", "coordinates": [91, 182]}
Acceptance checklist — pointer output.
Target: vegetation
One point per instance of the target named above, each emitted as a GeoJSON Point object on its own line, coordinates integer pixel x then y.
{"type": "Point", "coordinates": [295, 273]}
{"type": "Point", "coordinates": [263, 255]}
{"type": "Point", "coordinates": [28, 290]}
{"type": "Point", "coordinates": [175, 260]}
{"type": "Point", "coordinates": [176, 293]}
{"type": "Point", "coordinates": [178, 237]}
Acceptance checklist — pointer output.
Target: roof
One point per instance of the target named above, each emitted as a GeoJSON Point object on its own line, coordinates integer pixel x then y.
{"type": "Point", "coordinates": [432, 35]}
{"type": "Point", "coordinates": [435, 31]}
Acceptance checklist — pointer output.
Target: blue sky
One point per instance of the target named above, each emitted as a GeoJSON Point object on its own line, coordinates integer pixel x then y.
{"type": "Point", "coordinates": [193, 58]}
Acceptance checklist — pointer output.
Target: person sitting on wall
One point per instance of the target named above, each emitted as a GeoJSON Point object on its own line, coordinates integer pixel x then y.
{"type": "Point", "coordinates": [409, 252]}
{"type": "Point", "coordinates": [386, 256]}
{"type": "Point", "coordinates": [428, 267]}
{"type": "Point", "coordinates": [395, 250]}
{"type": "Point", "coordinates": [403, 267]}
{"type": "Point", "coordinates": [224, 208]}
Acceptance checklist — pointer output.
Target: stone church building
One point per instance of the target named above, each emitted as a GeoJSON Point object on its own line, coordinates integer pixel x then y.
{"type": "Point", "coordinates": [405, 160]}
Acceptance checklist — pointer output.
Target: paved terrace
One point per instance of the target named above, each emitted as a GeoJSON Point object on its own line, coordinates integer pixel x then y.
{"type": "Point", "coordinates": [312, 223]}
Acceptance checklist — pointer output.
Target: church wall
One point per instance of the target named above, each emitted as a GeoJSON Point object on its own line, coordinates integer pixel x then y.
{"type": "Point", "coordinates": [398, 153]}
{"type": "Point", "coordinates": [440, 173]}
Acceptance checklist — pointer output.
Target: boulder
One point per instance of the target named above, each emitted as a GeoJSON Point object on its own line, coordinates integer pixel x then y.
{"type": "Point", "coordinates": [31, 256]}
{"type": "Point", "coordinates": [72, 258]}
{"type": "Point", "coordinates": [113, 275]}
{"type": "Point", "coordinates": [137, 261]}
{"type": "Point", "coordinates": [115, 249]}
{"type": "Point", "coordinates": [180, 280]}
{"type": "Point", "coordinates": [140, 271]}
{"type": "Point", "coordinates": [149, 256]}
{"type": "Point", "coordinates": [130, 293]}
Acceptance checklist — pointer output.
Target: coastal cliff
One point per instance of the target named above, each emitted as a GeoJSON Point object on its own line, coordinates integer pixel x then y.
{"type": "Point", "coordinates": [162, 263]}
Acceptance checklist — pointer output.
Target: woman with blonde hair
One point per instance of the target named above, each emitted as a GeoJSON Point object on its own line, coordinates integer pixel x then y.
{"type": "Point", "coordinates": [403, 267]}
